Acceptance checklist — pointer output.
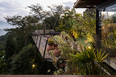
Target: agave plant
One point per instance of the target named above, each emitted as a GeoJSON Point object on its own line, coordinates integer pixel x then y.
{"type": "Point", "coordinates": [85, 60]}
{"type": "Point", "coordinates": [99, 57]}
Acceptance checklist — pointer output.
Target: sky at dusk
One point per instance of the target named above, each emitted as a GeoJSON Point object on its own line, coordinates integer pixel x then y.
{"type": "Point", "coordinates": [19, 7]}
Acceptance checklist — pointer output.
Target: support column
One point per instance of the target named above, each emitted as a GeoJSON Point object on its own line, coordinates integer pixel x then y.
{"type": "Point", "coordinates": [44, 29]}
{"type": "Point", "coordinates": [98, 29]}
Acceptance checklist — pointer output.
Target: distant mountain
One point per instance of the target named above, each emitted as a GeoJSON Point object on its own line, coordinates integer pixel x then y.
{"type": "Point", "coordinates": [1, 22]}
{"type": "Point", "coordinates": [2, 32]}
{"type": "Point", "coordinates": [4, 25]}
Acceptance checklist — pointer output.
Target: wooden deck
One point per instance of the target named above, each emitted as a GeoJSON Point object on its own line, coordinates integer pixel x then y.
{"type": "Point", "coordinates": [41, 42]}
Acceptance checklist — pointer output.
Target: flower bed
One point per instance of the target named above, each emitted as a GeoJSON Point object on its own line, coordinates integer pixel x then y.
{"type": "Point", "coordinates": [72, 58]}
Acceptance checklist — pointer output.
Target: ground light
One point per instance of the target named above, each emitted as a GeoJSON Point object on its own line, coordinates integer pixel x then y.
{"type": "Point", "coordinates": [33, 65]}
{"type": "Point", "coordinates": [88, 47]}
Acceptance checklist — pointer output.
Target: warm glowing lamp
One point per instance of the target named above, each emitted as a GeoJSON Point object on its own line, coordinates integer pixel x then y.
{"type": "Point", "coordinates": [33, 65]}
{"type": "Point", "coordinates": [89, 47]}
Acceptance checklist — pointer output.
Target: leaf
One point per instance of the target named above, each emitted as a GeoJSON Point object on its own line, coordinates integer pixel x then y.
{"type": "Point", "coordinates": [104, 56]}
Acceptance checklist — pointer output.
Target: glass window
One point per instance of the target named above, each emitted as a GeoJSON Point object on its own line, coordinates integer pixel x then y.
{"type": "Point", "coordinates": [109, 34]}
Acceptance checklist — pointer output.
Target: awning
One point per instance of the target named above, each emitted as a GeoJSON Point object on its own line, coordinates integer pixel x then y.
{"type": "Point", "coordinates": [88, 3]}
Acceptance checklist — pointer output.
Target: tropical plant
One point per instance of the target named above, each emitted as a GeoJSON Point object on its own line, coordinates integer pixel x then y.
{"type": "Point", "coordinates": [50, 42]}
{"type": "Point", "coordinates": [99, 57]}
{"type": "Point", "coordinates": [87, 57]}
{"type": "Point", "coordinates": [2, 62]}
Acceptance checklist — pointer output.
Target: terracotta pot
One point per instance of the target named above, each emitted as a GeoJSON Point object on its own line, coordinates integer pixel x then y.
{"type": "Point", "coordinates": [56, 52]}
{"type": "Point", "coordinates": [49, 47]}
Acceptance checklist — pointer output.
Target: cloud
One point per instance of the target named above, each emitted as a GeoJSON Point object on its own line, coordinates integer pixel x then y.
{"type": "Point", "coordinates": [8, 8]}
{"type": "Point", "coordinates": [69, 4]}
{"type": "Point", "coordinates": [18, 7]}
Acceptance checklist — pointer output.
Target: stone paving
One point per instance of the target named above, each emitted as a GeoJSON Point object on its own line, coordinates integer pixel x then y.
{"type": "Point", "coordinates": [111, 62]}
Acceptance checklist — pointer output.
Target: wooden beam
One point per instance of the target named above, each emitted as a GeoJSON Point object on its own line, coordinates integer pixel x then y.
{"type": "Point", "coordinates": [106, 4]}
{"type": "Point", "coordinates": [45, 49]}
{"type": "Point", "coordinates": [84, 3]}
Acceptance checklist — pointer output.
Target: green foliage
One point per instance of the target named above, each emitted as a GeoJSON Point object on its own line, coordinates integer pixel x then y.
{"type": "Point", "coordinates": [88, 21]}
{"type": "Point", "coordinates": [50, 42]}
{"type": "Point", "coordinates": [22, 56]}
{"type": "Point", "coordinates": [90, 38]}
{"type": "Point", "coordinates": [78, 25]}
{"type": "Point", "coordinates": [3, 41]}
{"type": "Point", "coordinates": [66, 21]}
{"type": "Point", "coordinates": [10, 47]}
{"type": "Point", "coordinates": [59, 72]}
{"type": "Point", "coordinates": [114, 18]}
{"type": "Point", "coordinates": [61, 27]}
{"type": "Point", "coordinates": [54, 16]}
{"type": "Point", "coordinates": [22, 63]}
{"type": "Point", "coordinates": [109, 35]}
{"type": "Point", "coordinates": [38, 12]}
{"type": "Point", "coordinates": [99, 57]}
{"type": "Point", "coordinates": [24, 26]}
{"type": "Point", "coordinates": [2, 63]}
{"type": "Point", "coordinates": [50, 22]}
{"type": "Point", "coordinates": [78, 62]}
{"type": "Point", "coordinates": [26, 57]}
{"type": "Point", "coordinates": [87, 55]}
{"type": "Point", "coordinates": [63, 45]}
{"type": "Point", "coordinates": [85, 61]}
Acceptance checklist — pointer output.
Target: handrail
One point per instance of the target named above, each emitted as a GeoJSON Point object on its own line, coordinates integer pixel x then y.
{"type": "Point", "coordinates": [102, 68]}
{"type": "Point", "coordinates": [106, 68]}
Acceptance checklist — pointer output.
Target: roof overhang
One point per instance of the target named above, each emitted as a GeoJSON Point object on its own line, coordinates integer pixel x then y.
{"type": "Point", "coordinates": [93, 3]}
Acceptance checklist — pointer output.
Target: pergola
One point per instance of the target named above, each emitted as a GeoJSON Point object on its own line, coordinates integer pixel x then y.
{"type": "Point", "coordinates": [99, 5]}
{"type": "Point", "coordinates": [93, 3]}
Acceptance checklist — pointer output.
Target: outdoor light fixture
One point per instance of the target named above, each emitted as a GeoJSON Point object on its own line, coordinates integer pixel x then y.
{"type": "Point", "coordinates": [33, 65]}
{"type": "Point", "coordinates": [89, 47]}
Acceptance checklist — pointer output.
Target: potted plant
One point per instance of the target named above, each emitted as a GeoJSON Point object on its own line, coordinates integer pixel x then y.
{"type": "Point", "coordinates": [50, 45]}
{"type": "Point", "coordinates": [56, 51]}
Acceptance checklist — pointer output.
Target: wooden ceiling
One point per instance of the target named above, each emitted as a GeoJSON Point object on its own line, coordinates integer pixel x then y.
{"type": "Point", "coordinates": [88, 3]}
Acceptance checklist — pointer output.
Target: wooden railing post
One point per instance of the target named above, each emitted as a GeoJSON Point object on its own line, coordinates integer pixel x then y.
{"type": "Point", "coordinates": [39, 42]}
{"type": "Point", "coordinates": [45, 48]}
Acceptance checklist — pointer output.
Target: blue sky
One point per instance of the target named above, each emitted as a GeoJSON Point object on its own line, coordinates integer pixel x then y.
{"type": "Point", "coordinates": [18, 7]}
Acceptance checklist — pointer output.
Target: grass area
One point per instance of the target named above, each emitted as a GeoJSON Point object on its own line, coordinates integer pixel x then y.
{"type": "Point", "coordinates": [82, 41]}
